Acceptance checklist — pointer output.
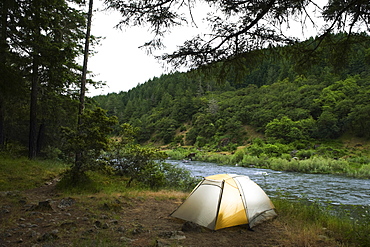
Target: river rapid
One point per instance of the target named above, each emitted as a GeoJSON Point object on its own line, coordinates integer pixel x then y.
{"type": "Point", "coordinates": [324, 188]}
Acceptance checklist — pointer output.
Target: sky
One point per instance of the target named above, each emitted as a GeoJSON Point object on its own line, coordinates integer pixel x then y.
{"type": "Point", "coordinates": [119, 62]}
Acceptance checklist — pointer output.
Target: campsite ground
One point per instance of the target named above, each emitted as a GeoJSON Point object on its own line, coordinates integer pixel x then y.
{"type": "Point", "coordinates": [42, 217]}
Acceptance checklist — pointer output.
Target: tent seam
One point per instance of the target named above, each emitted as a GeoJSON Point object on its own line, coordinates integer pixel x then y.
{"type": "Point", "coordinates": [244, 201]}
{"type": "Point", "coordinates": [219, 202]}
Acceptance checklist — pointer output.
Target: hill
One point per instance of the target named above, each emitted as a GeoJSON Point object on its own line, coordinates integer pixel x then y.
{"type": "Point", "coordinates": [278, 100]}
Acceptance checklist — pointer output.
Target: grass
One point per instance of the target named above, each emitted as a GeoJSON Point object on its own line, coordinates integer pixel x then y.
{"type": "Point", "coordinates": [357, 167]}
{"type": "Point", "coordinates": [303, 220]}
{"type": "Point", "coordinates": [312, 218]}
{"type": "Point", "coordinates": [22, 173]}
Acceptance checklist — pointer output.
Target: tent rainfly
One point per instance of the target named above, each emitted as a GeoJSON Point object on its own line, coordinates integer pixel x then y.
{"type": "Point", "coordinates": [226, 200]}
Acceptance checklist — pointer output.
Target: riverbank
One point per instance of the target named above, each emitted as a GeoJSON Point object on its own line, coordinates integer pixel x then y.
{"type": "Point", "coordinates": [107, 213]}
{"type": "Point", "coordinates": [357, 167]}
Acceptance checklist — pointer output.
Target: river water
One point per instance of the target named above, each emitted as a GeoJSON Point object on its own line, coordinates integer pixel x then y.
{"type": "Point", "coordinates": [333, 189]}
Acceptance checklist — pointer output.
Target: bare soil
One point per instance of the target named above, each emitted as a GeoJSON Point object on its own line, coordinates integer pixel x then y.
{"type": "Point", "coordinates": [42, 217]}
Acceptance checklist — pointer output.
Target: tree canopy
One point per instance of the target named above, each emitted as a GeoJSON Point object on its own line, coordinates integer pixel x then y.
{"type": "Point", "coordinates": [273, 99]}
{"type": "Point", "coordinates": [238, 27]}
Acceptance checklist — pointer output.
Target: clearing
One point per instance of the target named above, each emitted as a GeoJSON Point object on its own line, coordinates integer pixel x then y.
{"type": "Point", "coordinates": [43, 217]}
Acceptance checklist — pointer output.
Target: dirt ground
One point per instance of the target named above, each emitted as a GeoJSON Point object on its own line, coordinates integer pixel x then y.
{"type": "Point", "coordinates": [42, 217]}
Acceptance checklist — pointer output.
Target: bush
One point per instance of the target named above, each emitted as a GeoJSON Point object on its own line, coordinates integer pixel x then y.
{"type": "Point", "coordinates": [282, 164]}
{"type": "Point", "coordinates": [237, 156]}
{"type": "Point", "coordinates": [178, 178]}
{"type": "Point", "coordinates": [305, 154]}
{"type": "Point", "coordinates": [216, 158]}
{"type": "Point", "coordinates": [250, 160]}
{"type": "Point", "coordinates": [363, 172]}
{"type": "Point", "coordinates": [180, 153]}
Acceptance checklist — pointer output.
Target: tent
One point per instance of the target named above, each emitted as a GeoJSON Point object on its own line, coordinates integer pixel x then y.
{"type": "Point", "coordinates": [226, 200]}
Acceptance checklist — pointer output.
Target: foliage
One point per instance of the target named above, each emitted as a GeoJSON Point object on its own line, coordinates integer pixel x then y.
{"type": "Point", "coordinates": [22, 174]}
{"type": "Point", "coordinates": [254, 25]}
{"type": "Point", "coordinates": [139, 163]}
{"type": "Point", "coordinates": [286, 105]}
{"type": "Point", "coordinates": [181, 153]}
{"type": "Point", "coordinates": [277, 119]}
{"type": "Point", "coordinates": [143, 164]}
{"type": "Point", "coordinates": [323, 159]}
{"type": "Point", "coordinates": [286, 130]}
{"type": "Point", "coordinates": [337, 222]}
{"type": "Point", "coordinates": [39, 45]}
{"type": "Point", "coordinates": [298, 216]}
{"type": "Point", "coordinates": [89, 140]}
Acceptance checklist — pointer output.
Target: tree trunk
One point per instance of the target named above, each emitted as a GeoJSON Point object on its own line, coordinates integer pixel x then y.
{"type": "Point", "coordinates": [78, 159]}
{"type": "Point", "coordinates": [2, 119]}
{"type": "Point", "coordinates": [40, 138]}
{"type": "Point", "coordinates": [32, 141]}
{"type": "Point", "coordinates": [84, 68]}
{"type": "Point", "coordinates": [3, 48]}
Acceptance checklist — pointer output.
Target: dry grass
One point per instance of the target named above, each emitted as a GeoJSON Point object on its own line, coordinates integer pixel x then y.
{"type": "Point", "coordinates": [135, 218]}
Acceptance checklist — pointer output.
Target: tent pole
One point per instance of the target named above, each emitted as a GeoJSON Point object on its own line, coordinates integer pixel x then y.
{"type": "Point", "coordinates": [219, 201]}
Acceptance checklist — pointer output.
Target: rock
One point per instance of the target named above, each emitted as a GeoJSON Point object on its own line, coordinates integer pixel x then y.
{"type": "Point", "coordinates": [68, 225]}
{"type": "Point", "coordinates": [126, 240]}
{"type": "Point", "coordinates": [323, 238]}
{"type": "Point", "coordinates": [166, 242]}
{"type": "Point", "coordinates": [5, 211]}
{"type": "Point", "coordinates": [191, 227]}
{"type": "Point", "coordinates": [43, 206]}
{"type": "Point", "coordinates": [48, 237]}
{"type": "Point", "coordinates": [178, 235]}
{"type": "Point", "coordinates": [98, 224]}
{"type": "Point", "coordinates": [88, 232]}
{"type": "Point", "coordinates": [32, 234]}
{"type": "Point", "coordinates": [121, 229]}
{"type": "Point", "coordinates": [23, 201]}
{"type": "Point", "coordinates": [115, 222]}
{"type": "Point", "coordinates": [163, 243]}
{"type": "Point", "coordinates": [104, 217]}
{"type": "Point", "coordinates": [138, 229]}
{"type": "Point", "coordinates": [66, 202]}
{"type": "Point", "coordinates": [101, 225]}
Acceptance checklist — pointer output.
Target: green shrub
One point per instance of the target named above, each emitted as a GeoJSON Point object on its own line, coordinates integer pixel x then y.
{"type": "Point", "coordinates": [216, 158]}
{"type": "Point", "coordinates": [180, 153]}
{"type": "Point", "coordinates": [364, 171]}
{"type": "Point", "coordinates": [281, 164]}
{"type": "Point", "coordinates": [250, 160]}
{"type": "Point", "coordinates": [305, 154]}
{"type": "Point", "coordinates": [237, 156]}
{"type": "Point", "coordinates": [349, 231]}
{"type": "Point", "coordinates": [286, 156]}
{"type": "Point", "coordinates": [178, 178]}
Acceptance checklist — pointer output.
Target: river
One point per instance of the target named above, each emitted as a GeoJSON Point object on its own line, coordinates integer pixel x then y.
{"type": "Point", "coordinates": [333, 189]}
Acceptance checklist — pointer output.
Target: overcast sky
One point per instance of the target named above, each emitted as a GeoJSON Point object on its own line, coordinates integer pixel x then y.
{"type": "Point", "coordinates": [119, 62]}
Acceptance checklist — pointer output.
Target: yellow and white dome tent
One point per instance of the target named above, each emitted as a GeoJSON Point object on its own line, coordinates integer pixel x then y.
{"type": "Point", "coordinates": [226, 200]}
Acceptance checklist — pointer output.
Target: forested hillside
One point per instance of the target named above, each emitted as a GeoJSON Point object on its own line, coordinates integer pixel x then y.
{"type": "Point", "coordinates": [283, 99]}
